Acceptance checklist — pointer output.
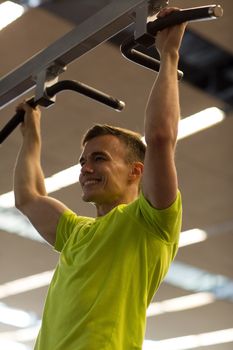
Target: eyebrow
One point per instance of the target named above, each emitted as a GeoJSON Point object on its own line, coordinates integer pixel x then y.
{"type": "Point", "coordinates": [93, 154]}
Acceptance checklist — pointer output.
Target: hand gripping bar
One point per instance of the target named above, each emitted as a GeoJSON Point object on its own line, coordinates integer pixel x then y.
{"type": "Point", "coordinates": [129, 47]}
{"type": "Point", "coordinates": [51, 91]}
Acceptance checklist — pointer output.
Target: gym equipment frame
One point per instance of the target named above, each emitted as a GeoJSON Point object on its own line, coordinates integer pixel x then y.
{"type": "Point", "coordinates": [42, 70]}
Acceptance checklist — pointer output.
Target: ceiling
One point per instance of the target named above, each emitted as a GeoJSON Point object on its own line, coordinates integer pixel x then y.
{"type": "Point", "coordinates": [204, 164]}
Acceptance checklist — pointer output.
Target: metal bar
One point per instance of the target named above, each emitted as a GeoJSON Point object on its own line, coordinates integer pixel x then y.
{"type": "Point", "coordinates": [129, 50]}
{"type": "Point", "coordinates": [130, 46]}
{"type": "Point", "coordinates": [51, 91]}
{"type": "Point", "coordinates": [14, 121]}
{"type": "Point", "coordinates": [202, 13]}
{"type": "Point", "coordinates": [90, 33]}
{"type": "Point", "coordinates": [87, 91]}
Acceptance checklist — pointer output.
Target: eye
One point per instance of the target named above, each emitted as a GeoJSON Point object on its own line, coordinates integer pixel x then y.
{"type": "Point", "coordinates": [99, 157]}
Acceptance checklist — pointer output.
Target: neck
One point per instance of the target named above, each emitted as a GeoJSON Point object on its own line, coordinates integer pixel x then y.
{"type": "Point", "coordinates": [104, 208]}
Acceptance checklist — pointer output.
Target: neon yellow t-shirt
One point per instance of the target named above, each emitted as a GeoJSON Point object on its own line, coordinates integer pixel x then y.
{"type": "Point", "coordinates": [108, 271]}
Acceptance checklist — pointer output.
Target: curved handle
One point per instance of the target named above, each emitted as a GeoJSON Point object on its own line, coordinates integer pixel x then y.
{"type": "Point", "coordinates": [52, 91]}
{"type": "Point", "coordinates": [87, 91]}
{"type": "Point", "coordinates": [129, 47]}
{"type": "Point", "coordinates": [129, 50]}
{"type": "Point", "coordinates": [14, 121]}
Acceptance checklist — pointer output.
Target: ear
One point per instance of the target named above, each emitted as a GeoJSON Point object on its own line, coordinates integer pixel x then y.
{"type": "Point", "coordinates": [136, 171]}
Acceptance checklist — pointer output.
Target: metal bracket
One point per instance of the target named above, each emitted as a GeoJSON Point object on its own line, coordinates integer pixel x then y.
{"type": "Point", "coordinates": [140, 33]}
{"type": "Point", "coordinates": [141, 20]}
{"type": "Point", "coordinates": [142, 14]}
{"type": "Point", "coordinates": [129, 48]}
{"type": "Point", "coordinates": [88, 34]}
{"type": "Point", "coordinates": [45, 78]}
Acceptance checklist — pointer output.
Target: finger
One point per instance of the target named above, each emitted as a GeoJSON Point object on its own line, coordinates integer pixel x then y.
{"type": "Point", "coordinates": [26, 107]}
{"type": "Point", "coordinates": [166, 11]}
{"type": "Point", "coordinates": [21, 106]}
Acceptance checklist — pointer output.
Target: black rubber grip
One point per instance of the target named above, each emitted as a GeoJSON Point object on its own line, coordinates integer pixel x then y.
{"type": "Point", "coordinates": [52, 91]}
{"type": "Point", "coordinates": [14, 122]}
{"type": "Point", "coordinates": [129, 47]}
{"type": "Point", "coordinates": [87, 91]}
{"type": "Point", "coordinates": [11, 125]}
{"type": "Point", "coordinates": [186, 15]}
{"type": "Point", "coordinates": [129, 51]}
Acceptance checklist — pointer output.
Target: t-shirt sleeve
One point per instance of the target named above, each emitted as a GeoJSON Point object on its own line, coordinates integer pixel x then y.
{"type": "Point", "coordinates": [164, 223]}
{"type": "Point", "coordinates": [66, 225]}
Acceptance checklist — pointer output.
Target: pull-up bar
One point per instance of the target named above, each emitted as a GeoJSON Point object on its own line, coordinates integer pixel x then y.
{"type": "Point", "coordinates": [51, 91]}
{"type": "Point", "coordinates": [129, 48]}
{"type": "Point", "coordinates": [95, 30]}
{"type": "Point", "coordinates": [144, 35]}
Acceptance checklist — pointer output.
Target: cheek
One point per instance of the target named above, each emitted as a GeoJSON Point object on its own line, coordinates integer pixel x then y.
{"type": "Point", "coordinates": [121, 177]}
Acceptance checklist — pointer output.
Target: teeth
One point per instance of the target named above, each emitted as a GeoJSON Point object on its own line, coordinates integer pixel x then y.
{"type": "Point", "coordinates": [90, 182]}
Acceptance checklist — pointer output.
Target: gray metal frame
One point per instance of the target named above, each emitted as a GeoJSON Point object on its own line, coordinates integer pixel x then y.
{"type": "Point", "coordinates": [86, 36]}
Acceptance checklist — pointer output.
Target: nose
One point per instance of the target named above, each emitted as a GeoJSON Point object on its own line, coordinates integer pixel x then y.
{"type": "Point", "coordinates": [87, 168]}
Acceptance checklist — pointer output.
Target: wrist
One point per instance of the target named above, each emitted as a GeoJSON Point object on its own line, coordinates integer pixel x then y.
{"type": "Point", "coordinates": [169, 62]}
{"type": "Point", "coordinates": [172, 55]}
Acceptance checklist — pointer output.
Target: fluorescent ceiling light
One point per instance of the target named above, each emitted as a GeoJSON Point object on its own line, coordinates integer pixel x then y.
{"type": "Point", "coordinates": [7, 200]}
{"type": "Point", "coordinates": [180, 304]}
{"type": "Point", "coordinates": [199, 121]}
{"type": "Point", "coordinates": [22, 335]}
{"type": "Point", "coordinates": [179, 343]}
{"type": "Point", "coordinates": [25, 284]}
{"type": "Point", "coordinates": [16, 317]}
{"type": "Point", "coordinates": [69, 176]}
{"type": "Point", "coordinates": [12, 221]}
{"type": "Point", "coordinates": [192, 236]}
{"type": "Point", "coordinates": [191, 341]}
{"type": "Point", "coordinates": [53, 183]}
{"type": "Point", "coordinates": [63, 178]}
{"type": "Point", "coordinates": [8, 344]}
{"type": "Point", "coordinates": [9, 12]}
{"type": "Point", "coordinates": [34, 3]}
{"type": "Point", "coordinates": [194, 279]}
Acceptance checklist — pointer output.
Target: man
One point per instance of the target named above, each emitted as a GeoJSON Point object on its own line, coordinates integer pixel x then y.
{"type": "Point", "coordinates": [109, 267]}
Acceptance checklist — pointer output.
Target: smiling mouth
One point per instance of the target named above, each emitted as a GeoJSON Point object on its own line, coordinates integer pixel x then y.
{"type": "Point", "coordinates": [90, 182]}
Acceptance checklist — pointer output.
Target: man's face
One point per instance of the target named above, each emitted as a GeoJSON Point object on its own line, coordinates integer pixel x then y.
{"type": "Point", "coordinates": [105, 172]}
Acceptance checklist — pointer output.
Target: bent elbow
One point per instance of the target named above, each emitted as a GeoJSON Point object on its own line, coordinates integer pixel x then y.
{"type": "Point", "coordinates": [23, 202]}
{"type": "Point", "coordinates": [20, 205]}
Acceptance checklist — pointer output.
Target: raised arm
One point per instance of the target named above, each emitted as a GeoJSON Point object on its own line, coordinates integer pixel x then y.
{"type": "Point", "coordinates": [29, 188]}
{"type": "Point", "coordinates": [159, 182]}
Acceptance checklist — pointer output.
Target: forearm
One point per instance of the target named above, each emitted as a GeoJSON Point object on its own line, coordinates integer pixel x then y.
{"type": "Point", "coordinates": [30, 194]}
{"type": "Point", "coordinates": [163, 111]}
{"type": "Point", "coordinates": [28, 174]}
{"type": "Point", "coordinates": [159, 181]}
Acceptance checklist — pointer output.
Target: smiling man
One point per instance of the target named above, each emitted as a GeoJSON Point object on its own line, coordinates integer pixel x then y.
{"type": "Point", "coordinates": [111, 167]}
{"type": "Point", "coordinates": [110, 266]}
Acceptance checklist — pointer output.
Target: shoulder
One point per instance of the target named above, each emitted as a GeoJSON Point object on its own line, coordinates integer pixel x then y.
{"type": "Point", "coordinates": [142, 203]}
{"type": "Point", "coordinates": [163, 223]}
{"type": "Point", "coordinates": [69, 222]}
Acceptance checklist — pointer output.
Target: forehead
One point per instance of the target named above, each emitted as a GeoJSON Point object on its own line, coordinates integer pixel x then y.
{"type": "Point", "coordinates": [105, 143]}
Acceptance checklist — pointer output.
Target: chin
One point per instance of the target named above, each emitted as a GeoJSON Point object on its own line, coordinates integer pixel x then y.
{"type": "Point", "coordinates": [87, 197]}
